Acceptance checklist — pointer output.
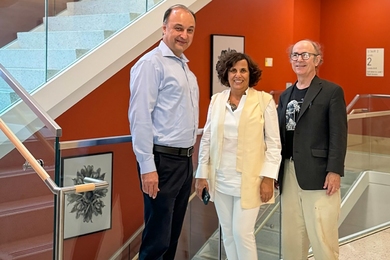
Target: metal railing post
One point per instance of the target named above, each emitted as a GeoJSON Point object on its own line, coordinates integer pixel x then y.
{"type": "Point", "coordinates": [59, 243]}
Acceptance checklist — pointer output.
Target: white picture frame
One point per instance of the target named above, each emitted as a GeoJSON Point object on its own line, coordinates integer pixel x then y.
{"type": "Point", "coordinates": [87, 212]}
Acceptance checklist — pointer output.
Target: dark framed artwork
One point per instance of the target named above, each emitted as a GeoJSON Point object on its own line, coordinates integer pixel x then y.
{"type": "Point", "coordinates": [87, 212]}
{"type": "Point", "coordinates": [219, 44]}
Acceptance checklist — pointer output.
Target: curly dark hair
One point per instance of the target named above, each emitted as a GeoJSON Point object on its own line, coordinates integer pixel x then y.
{"type": "Point", "coordinates": [227, 60]}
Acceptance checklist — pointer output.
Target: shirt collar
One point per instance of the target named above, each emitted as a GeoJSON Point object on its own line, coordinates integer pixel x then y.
{"type": "Point", "coordinates": [166, 52]}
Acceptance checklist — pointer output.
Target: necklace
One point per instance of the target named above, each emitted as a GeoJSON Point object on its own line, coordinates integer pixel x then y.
{"type": "Point", "coordinates": [232, 106]}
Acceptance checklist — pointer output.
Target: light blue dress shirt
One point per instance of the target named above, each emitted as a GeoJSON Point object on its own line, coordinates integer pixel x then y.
{"type": "Point", "coordinates": [164, 104]}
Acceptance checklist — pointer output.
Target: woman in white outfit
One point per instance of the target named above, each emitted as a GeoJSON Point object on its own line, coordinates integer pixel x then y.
{"type": "Point", "coordinates": [239, 154]}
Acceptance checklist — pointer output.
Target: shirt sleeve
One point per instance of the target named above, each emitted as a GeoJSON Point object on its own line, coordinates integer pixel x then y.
{"type": "Point", "coordinates": [204, 148]}
{"type": "Point", "coordinates": [144, 85]}
{"type": "Point", "coordinates": [272, 141]}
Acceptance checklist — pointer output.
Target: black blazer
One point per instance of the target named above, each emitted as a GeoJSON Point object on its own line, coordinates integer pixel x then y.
{"type": "Point", "coordinates": [320, 137]}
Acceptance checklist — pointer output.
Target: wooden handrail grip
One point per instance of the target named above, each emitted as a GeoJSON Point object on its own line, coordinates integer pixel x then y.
{"type": "Point", "coordinates": [85, 187]}
{"type": "Point", "coordinates": [23, 151]}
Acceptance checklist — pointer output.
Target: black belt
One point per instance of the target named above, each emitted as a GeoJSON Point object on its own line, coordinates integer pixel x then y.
{"type": "Point", "coordinates": [174, 150]}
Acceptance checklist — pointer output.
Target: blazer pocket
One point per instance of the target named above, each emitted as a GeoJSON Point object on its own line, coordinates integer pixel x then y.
{"type": "Point", "coordinates": [319, 153]}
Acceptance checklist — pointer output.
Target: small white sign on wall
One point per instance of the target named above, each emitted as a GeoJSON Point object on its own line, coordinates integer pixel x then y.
{"type": "Point", "coordinates": [374, 62]}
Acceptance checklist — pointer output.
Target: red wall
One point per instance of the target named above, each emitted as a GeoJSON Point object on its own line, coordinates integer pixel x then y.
{"type": "Point", "coordinates": [267, 27]}
{"type": "Point", "coordinates": [306, 19]}
{"type": "Point", "coordinates": [345, 28]}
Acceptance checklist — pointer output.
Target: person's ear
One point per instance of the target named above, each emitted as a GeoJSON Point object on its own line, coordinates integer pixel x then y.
{"type": "Point", "coordinates": [318, 60]}
{"type": "Point", "coordinates": [164, 28]}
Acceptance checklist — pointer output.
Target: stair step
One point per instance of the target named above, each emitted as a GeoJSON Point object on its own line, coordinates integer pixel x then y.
{"type": "Point", "coordinates": [106, 7]}
{"type": "Point", "coordinates": [6, 97]}
{"type": "Point", "coordinates": [268, 240]}
{"type": "Point", "coordinates": [208, 253]}
{"type": "Point", "coordinates": [37, 247]}
{"type": "Point", "coordinates": [29, 183]}
{"type": "Point", "coordinates": [30, 79]}
{"type": "Point", "coordinates": [62, 39]}
{"type": "Point", "coordinates": [26, 218]}
{"type": "Point", "coordinates": [113, 22]}
{"type": "Point", "coordinates": [36, 58]}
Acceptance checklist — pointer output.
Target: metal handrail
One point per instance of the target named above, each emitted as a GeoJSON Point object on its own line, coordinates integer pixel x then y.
{"type": "Point", "coordinates": [358, 96]}
{"type": "Point", "coordinates": [60, 193]}
{"type": "Point", "coordinates": [368, 114]}
{"type": "Point", "coordinates": [30, 102]}
{"type": "Point", "coordinates": [101, 141]}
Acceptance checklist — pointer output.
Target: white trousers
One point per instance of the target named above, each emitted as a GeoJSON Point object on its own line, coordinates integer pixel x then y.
{"type": "Point", "coordinates": [308, 217]}
{"type": "Point", "coordinates": [237, 227]}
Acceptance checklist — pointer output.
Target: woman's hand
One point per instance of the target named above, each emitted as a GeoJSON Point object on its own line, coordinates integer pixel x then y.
{"type": "Point", "coordinates": [266, 189]}
{"type": "Point", "coordinates": [200, 184]}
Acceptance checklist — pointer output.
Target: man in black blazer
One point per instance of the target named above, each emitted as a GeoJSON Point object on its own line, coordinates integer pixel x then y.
{"type": "Point", "coordinates": [313, 132]}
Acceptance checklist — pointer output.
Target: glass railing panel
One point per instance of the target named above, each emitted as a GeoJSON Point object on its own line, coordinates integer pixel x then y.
{"type": "Point", "coordinates": [200, 237]}
{"type": "Point", "coordinates": [84, 25]}
{"type": "Point", "coordinates": [368, 137]}
{"type": "Point", "coordinates": [23, 40]}
{"type": "Point", "coordinates": [123, 205]}
{"type": "Point", "coordinates": [26, 203]}
{"type": "Point", "coordinates": [44, 43]}
{"type": "Point", "coordinates": [200, 234]}
{"type": "Point", "coordinates": [11, 23]}
{"type": "Point", "coordinates": [267, 231]}
{"type": "Point", "coordinates": [366, 185]}
{"type": "Point", "coordinates": [98, 223]}
{"type": "Point", "coordinates": [7, 95]}
{"type": "Point", "coordinates": [369, 103]}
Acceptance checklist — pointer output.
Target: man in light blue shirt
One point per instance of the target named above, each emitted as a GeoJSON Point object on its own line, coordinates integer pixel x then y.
{"type": "Point", "coordinates": [164, 115]}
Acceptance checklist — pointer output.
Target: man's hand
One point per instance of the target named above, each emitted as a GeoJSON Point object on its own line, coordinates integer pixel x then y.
{"type": "Point", "coordinates": [200, 184]}
{"type": "Point", "coordinates": [150, 184]}
{"type": "Point", "coordinates": [266, 189]}
{"type": "Point", "coordinates": [332, 183]}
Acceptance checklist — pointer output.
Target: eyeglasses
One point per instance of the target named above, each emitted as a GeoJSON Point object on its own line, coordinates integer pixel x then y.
{"type": "Point", "coordinates": [305, 55]}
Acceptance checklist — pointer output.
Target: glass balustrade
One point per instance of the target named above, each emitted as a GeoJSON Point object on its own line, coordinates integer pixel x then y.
{"type": "Point", "coordinates": [366, 184]}
{"type": "Point", "coordinates": [39, 39]}
{"type": "Point", "coordinates": [102, 220]}
{"type": "Point", "coordinates": [368, 133]}
{"type": "Point", "coordinates": [116, 162]}
{"type": "Point", "coordinates": [26, 203]}
{"type": "Point", "coordinates": [122, 213]}
{"type": "Point", "coordinates": [201, 237]}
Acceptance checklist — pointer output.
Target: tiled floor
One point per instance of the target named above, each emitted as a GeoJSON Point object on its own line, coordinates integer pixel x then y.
{"type": "Point", "coordinates": [373, 247]}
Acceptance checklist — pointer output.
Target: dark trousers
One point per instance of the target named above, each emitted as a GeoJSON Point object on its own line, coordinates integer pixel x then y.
{"type": "Point", "coordinates": [164, 215]}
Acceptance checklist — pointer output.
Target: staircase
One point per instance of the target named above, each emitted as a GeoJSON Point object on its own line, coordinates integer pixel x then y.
{"type": "Point", "coordinates": [26, 204]}
{"type": "Point", "coordinates": [26, 207]}
{"type": "Point", "coordinates": [38, 55]}
{"type": "Point", "coordinates": [87, 43]}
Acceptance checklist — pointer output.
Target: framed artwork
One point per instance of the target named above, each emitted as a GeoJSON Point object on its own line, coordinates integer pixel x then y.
{"type": "Point", "coordinates": [219, 44]}
{"type": "Point", "coordinates": [87, 212]}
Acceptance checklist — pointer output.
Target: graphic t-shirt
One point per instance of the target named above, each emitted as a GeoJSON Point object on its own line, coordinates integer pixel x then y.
{"type": "Point", "coordinates": [292, 112]}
